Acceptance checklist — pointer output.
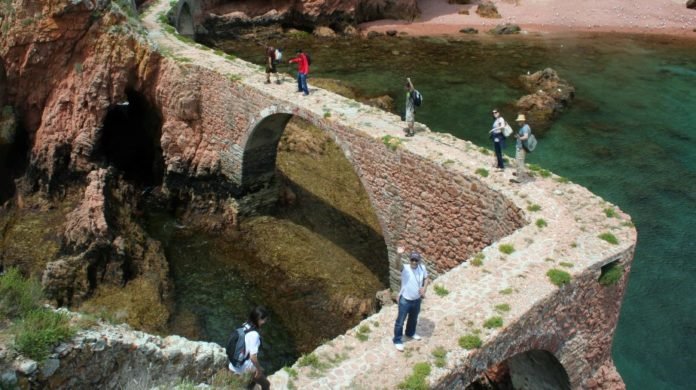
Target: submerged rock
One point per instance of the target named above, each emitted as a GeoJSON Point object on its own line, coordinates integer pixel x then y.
{"type": "Point", "coordinates": [691, 4]}
{"type": "Point", "coordinates": [549, 96]}
{"type": "Point", "coordinates": [469, 30]}
{"type": "Point", "coordinates": [505, 29]}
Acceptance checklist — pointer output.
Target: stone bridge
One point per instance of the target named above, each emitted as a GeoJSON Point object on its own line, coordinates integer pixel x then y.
{"type": "Point", "coordinates": [430, 193]}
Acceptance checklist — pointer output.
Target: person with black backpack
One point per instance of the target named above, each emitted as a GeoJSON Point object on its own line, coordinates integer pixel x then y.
{"type": "Point", "coordinates": [243, 347]}
{"type": "Point", "coordinates": [413, 100]}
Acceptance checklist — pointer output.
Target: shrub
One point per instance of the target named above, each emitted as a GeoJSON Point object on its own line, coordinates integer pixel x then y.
{"type": "Point", "coordinates": [440, 355]}
{"type": "Point", "coordinates": [611, 273]}
{"type": "Point", "coordinates": [391, 142]}
{"type": "Point", "coordinates": [470, 341]}
{"type": "Point", "coordinates": [310, 360]}
{"type": "Point", "coordinates": [506, 248]}
{"type": "Point", "coordinates": [541, 223]}
{"type": "Point", "coordinates": [482, 172]}
{"type": "Point", "coordinates": [292, 373]}
{"type": "Point", "coordinates": [440, 290]}
{"type": "Point", "coordinates": [610, 212]}
{"type": "Point", "coordinates": [18, 295]}
{"type": "Point", "coordinates": [416, 381]}
{"type": "Point", "coordinates": [533, 207]}
{"type": "Point", "coordinates": [610, 238]}
{"type": "Point", "coordinates": [39, 331]}
{"type": "Point", "coordinates": [566, 264]}
{"type": "Point", "coordinates": [493, 322]}
{"type": "Point", "coordinates": [362, 333]}
{"type": "Point", "coordinates": [502, 308]}
{"type": "Point", "coordinates": [477, 261]}
{"type": "Point", "coordinates": [506, 291]}
{"type": "Point", "coordinates": [558, 277]}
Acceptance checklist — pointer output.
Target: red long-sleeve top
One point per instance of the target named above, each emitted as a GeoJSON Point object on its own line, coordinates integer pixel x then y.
{"type": "Point", "coordinates": [302, 64]}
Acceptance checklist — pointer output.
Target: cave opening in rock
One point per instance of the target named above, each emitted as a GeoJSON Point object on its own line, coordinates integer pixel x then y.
{"type": "Point", "coordinates": [131, 140]}
{"type": "Point", "coordinates": [14, 152]}
{"type": "Point", "coordinates": [184, 21]}
{"type": "Point", "coordinates": [534, 369]}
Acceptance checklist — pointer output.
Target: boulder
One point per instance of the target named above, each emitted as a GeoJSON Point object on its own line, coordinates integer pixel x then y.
{"type": "Point", "coordinates": [324, 32]}
{"type": "Point", "coordinates": [373, 34]}
{"type": "Point", "coordinates": [385, 103]}
{"type": "Point", "coordinates": [548, 96]}
{"type": "Point", "coordinates": [469, 30]}
{"type": "Point", "coordinates": [505, 29]}
{"type": "Point", "coordinates": [463, 11]}
{"type": "Point", "coordinates": [350, 31]}
{"type": "Point", "coordinates": [391, 33]}
{"type": "Point", "coordinates": [488, 10]}
{"type": "Point", "coordinates": [691, 4]}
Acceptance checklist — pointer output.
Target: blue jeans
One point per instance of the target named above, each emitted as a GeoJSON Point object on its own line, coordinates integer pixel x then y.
{"type": "Point", "coordinates": [499, 153]}
{"type": "Point", "coordinates": [302, 83]}
{"type": "Point", "coordinates": [410, 309]}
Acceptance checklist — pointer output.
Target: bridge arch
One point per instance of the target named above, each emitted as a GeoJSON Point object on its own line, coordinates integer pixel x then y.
{"type": "Point", "coordinates": [187, 13]}
{"type": "Point", "coordinates": [259, 153]}
{"type": "Point", "coordinates": [537, 369]}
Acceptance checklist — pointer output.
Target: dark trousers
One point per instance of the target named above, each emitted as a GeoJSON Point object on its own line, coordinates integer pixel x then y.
{"type": "Point", "coordinates": [499, 154]}
{"type": "Point", "coordinates": [302, 83]}
{"type": "Point", "coordinates": [410, 309]}
{"type": "Point", "coordinates": [261, 381]}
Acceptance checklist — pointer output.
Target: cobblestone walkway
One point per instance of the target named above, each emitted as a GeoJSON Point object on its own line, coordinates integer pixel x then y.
{"type": "Point", "coordinates": [565, 221]}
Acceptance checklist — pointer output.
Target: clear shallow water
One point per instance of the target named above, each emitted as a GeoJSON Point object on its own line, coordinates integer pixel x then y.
{"type": "Point", "coordinates": [630, 137]}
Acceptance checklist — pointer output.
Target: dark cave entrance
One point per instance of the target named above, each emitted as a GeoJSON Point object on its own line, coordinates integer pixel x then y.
{"type": "Point", "coordinates": [14, 152]}
{"type": "Point", "coordinates": [131, 140]}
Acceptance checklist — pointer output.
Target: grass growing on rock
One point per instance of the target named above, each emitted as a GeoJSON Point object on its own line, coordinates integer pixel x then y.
{"type": "Point", "coordinates": [610, 238]}
{"type": "Point", "coordinates": [533, 207]}
{"type": "Point", "coordinates": [440, 290]}
{"type": "Point", "coordinates": [541, 223]}
{"type": "Point", "coordinates": [363, 332]}
{"type": "Point", "coordinates": [18, 295]}
{"type": "Point", "coordinates": [416, 381]}
{"type": "Point", "coordinates": [477, 261]}
{"type": "Point", "coordinates": [482, 172]}
{"type": "Point", "coordinates": [611, 274]}
{"type": "Point", "coordinates": [610, 212]}
{"type": "Point", "coordinates": [502, 308]}
{"type": "Point", "coordinates": [390, 142]}
{"type": "Point", "coordinates": [558, 277]}
{"type": "Point", "coordinates": [470, 341]}
{"type": "Point", "coordinates": [507, 291]}
{"type": "Point", "coordinates": [440, 355]}
{"type": "Point", "coordinates": [506, 248]}
{"type": "Point", "coordinates": [39, 331]}
{"type": "Point", "coordinates": [493, 322]}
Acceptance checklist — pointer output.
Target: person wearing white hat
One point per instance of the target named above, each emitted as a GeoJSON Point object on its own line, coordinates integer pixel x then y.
{"type": "Point", "coordinates": [520, 151]}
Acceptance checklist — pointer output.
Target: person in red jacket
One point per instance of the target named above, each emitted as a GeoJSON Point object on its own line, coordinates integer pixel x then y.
{"type": "Point", "coordinates": [302, 71]}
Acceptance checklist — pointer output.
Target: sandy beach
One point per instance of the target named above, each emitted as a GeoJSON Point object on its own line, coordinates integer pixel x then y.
{"type": "Point", "coordinates": [666, 17]}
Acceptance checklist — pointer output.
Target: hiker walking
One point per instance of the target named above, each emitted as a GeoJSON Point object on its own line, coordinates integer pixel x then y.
{"type": "Point", "coordinates": [243, 356]}
{"type": "Point", "coordinates": [498, 138]}
{"type": "Point", "coordinates": [520, 149]}
{"type": "Point", "coordinates": [302, 62]}
{"type": "Point", "coordinates": [410, 115]}
{"type": "Point", "coordinates": [271, 62]}
{"type": "Point", "coordinates": [414, 281]}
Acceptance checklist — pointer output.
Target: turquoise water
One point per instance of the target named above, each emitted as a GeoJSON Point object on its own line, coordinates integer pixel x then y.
{"type": "Point", "coordinates": [630, 137]}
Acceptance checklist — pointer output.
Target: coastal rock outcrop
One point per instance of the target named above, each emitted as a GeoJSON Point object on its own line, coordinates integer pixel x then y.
{"type": "Point", "coordinates": [487, 9]}
{"type": "Point", "coordinates": [505, 29]}
{"type": "Point", "coordinates": [691, 4]}
{"type": "Point", "coordinates": [549, 95]}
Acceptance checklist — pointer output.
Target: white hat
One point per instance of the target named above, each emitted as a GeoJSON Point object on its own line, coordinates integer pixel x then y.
{"type": "Point", "coordinates": [520, 118]}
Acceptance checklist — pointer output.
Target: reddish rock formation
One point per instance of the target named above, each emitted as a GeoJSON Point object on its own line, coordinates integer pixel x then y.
{"type": "Point", "coordinates": [549, 95]}
{"type": "Point", "coordinates": [487, 9]}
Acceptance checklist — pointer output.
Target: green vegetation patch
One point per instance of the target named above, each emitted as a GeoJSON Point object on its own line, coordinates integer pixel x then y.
{"type": "Point", "coordinates": [506, 248]}
{"type": "Point", "coordinates": [539, 170]}
{"type": "Point", "coordinates": [507, 291]}
{"type": "Point", "coordinates": [610, 238]}
{"type": "Point", "coordinates": [566, 264]}
{"type": "Point", "coordinates": [470, 341]}
{"type": "Point", "coordinates": [611, 273]}
{"type": "Point", "coordinates": [562, 180]}
{"type": "Point", "coordinates": [502, 308]}
{"type": "Point", "coordinates": [482, 172]}
{"type": "Point", "coordinates": [493, 322]}
{"type": "Point", "coordinates": [41, 330]}
{"type": "Point", "coordinates": [541, 223]}
{"type": "Point", "coordinates": [18, 295]}
{"type": "Point", "coordinates": [610, 212]}
{"type": "Point", "coordinates": [292, 373]}
{"type": "Point", "coordinates": [416, 381]}
{"type": "Point", "coordinates": [390, 142]}
{"type": "Point", "coordinates": [533, 207]}
{"type": "Point", "coordinates": [363, 332]}
{"type": "Point", "coordinates": [477, 261]}
{"type": "Point", "coordinates": [440, 290]}
{"type": "Point", "coordinates": [558, 277]}
{"type": "Point", "coordinates": [440, 355]}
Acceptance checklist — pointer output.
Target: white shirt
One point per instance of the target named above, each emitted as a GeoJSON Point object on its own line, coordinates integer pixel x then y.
{"type": "Point", "coordinates": [252, 342]}
{"type": "Point", "coordinates": [412, 280]}
{"type": "Point", "coordinates": [498, 125]}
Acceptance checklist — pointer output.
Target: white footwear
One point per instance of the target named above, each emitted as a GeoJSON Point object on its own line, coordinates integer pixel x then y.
{"type": "Point", "coordinates": [416, 337]}
{"type": "Point", "coordinates": [399, 347]}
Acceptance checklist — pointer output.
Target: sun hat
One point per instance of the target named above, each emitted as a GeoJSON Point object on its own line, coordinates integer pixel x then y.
{"type": "Point", "coordinates": [415, 256]}
{"type": "Point", "coordinates": [520, 118]}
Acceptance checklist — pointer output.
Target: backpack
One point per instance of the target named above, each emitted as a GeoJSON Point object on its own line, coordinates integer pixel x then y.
{"type": "Point", "coordinates": [236, 346]}
{"type": "Point", "coordinates": [278, 55]}
{"type": "Point", "coordinates": [531, 143]}
{"type": "Point", "coordinates": [507, 130]}
{"type": "Point", "coordinates": [417, 98]}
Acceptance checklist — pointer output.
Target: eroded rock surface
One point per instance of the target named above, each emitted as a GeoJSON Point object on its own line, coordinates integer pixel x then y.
{"type": "Point", "coordinates": [549, 95]}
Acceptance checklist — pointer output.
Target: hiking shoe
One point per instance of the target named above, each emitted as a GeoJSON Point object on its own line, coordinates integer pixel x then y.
{"type": "Point", "coordinates": [268, 81]}
{"type": "Point", "coordinates": [399, 347]}
{"type": "Point", "coordinates": [278, 82]}
{"type": "Point", "coordinates": [416, 337]}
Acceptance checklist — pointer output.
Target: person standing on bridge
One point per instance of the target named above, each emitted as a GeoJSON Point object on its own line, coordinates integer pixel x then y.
{"type": "Point", "coordinates": [410, 115]}
{"type": "Point", "coordinates": [271, 62]}
{"type": "Point", "coordinates": [520, 149]}
{"type": "Point", "coordinates": [302, 62]}
{"type": "Point", "coordinates": [414, 281]}
{"type": "Point", "coordinates": [498, 138]}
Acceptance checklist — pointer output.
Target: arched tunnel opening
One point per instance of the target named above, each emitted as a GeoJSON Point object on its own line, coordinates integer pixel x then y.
{"type": "Point", "coordinates": [184, 21]}
{"type": "Point", "coordinates": [130, 140]}
{"type": "Point", "coordinates": [531, 370]}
